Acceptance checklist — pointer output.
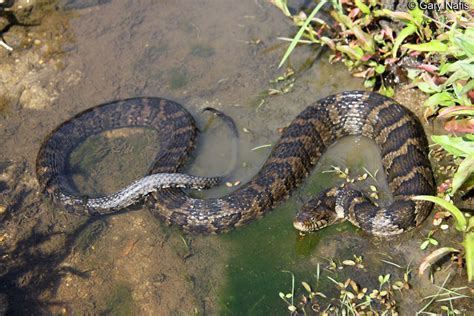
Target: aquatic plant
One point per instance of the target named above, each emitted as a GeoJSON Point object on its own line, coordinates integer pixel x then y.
{"type": "Point", "coordinates": [353, 297]}
{"type": "Point", "coordinates": [464, 225]}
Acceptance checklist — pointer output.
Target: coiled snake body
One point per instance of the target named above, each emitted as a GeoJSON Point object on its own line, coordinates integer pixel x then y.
{"type": "Point", "coordinates": [396, 131]}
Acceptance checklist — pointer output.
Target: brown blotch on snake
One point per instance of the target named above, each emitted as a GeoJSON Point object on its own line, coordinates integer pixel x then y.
{"type": "Point", "coordinates": [396, 131]}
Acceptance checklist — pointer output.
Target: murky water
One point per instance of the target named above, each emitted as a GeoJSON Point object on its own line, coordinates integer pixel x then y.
{"type": "Point", "coordinates": [200, 53]}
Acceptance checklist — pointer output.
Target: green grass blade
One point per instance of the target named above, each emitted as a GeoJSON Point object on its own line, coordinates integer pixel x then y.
{"type": "Point", "coordinates": [404, 33]}
{"type": "Point", "coordinates": [466, 168]}
{"type": "Point", "coordinates": [468, 244]}
{"type": "Point", "coordinates": [300, 33]}
{"type": "Point", "coordinates": [461, 222]}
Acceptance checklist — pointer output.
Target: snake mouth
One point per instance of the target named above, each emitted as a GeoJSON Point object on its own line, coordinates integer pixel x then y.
{"type": "Point", "coordinates": [309, 226]}
{"type": "Point", "coordinates": [301, 226]}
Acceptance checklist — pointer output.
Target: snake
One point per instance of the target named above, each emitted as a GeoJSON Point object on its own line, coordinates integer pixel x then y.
{"type": "Point", "coordinates": [395, 129]}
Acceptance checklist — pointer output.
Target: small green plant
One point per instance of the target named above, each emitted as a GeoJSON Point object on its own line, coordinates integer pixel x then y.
{"type": "Point", "coordinates": [429, 240]}
{"type": "Point", "coordinates": [440, 49]}
{"type": "Point", "coordinates": [462, 148]}
{"type": "Point", "coordinates": [290, 295]}
{"type": "Point", "coordinates": [463, 225]}
{"type": "Point", "coordinates": [383, 279]}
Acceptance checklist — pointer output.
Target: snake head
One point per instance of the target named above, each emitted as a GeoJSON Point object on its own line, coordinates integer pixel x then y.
{"type": "Point", "coordinates": [317, 213]}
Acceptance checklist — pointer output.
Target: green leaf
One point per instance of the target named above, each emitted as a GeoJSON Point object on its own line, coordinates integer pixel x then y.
{"type": "Point", "coordinates": [417, 13]}
{"type": "Point", "coordinates": [380, 279]}
{"type": "Point", "coordinates": [380, 69]}
{"type": "Point", "coordinates": [433, 46]}
{"type": "Point", "coordinates": [471, 223]}
{"type": "Point", "coordinates": [468, 87]}
{"type": "Point", "coordinates": [456, 110]}
{"type": "Point", "coordinates": [354, 53]}
{"type": "Point", "coordinates": [453, 67]}
{"type": "Point", "coordinates": [387, 91]}
{"type": "Point", "coordinates": [465, 43]}
{"type": "Point", "coordinates": [369, 83]}
{"type": "Point", "coordinates": [457, 146]}
{"type": "Point", "coordinates": [469, 69]}
{"type": "Point", "coordinates": [461, 222]}
{"type": "Point", "coordinates": [428, 87]}
{"type": "Point", "coordinates": [362, 6]}
{"type": "Point", "coordinates": [366, 41]}
{"type": "Point", "coordinates": [466, 168]}
{"type": "Point", "coordinates": [397, 15]}
{"type": "Point", "coordinates": [460, 74]}
{"type": "Point", "coordinates": [424, 244]}
{"type": "Point", "coordinates": [468, 244]}
{"type": "Point", "coordinates": [433, 241]}
{"type": "Point", "coordinates": [440, 98]}
{"type": "Point", "coordinates": [282, 5]}
{"type": "Point", "coordinates": [344, 20]}
{"type": "Point", "coordinates": [300, 32]}
{"type": "Point", "coordinates": [404, 33]}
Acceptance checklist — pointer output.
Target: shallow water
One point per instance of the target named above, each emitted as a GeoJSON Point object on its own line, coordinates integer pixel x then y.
{"type": "Point", "coordinates": [200, 53]}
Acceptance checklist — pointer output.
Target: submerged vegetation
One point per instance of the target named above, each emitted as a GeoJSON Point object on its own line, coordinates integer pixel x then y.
{"type": "Point", "coordinates": [430, 50]}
